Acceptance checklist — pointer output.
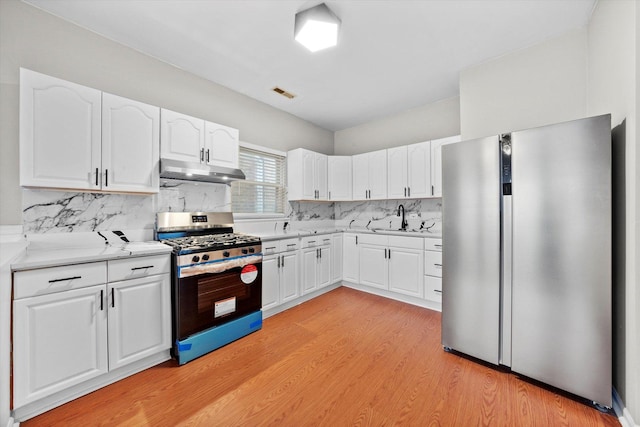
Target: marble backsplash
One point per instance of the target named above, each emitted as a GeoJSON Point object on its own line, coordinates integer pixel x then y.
{"type": "Point", "coordinates": [47, 211]}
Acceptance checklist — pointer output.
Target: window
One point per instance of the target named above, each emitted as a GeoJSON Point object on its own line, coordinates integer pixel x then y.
{"type": "Point", "coordinates": [263, 192]}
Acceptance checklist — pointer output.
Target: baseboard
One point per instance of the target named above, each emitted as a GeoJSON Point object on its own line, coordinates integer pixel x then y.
{"type": "Point", "coordinates": [420, 302]}
{"type": "Point", "coordinates": [623, 414]}
{"type": "Point", "coordinates": [304, 298]}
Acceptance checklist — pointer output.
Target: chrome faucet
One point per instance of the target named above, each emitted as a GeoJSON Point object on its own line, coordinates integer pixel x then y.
{"type": "Point", "coordinates": [403, 224]}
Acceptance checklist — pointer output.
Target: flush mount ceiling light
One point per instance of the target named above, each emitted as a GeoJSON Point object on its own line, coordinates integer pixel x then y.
{"type": "Point", "coordinates": [317, 28]}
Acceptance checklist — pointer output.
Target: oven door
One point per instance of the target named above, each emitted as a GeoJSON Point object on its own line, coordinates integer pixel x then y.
{"type": "Point", "coordinates": [210, 299]}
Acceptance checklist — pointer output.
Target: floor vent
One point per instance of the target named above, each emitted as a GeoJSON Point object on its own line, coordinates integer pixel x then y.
{"type": "Point", "coordinates": [283, 92]}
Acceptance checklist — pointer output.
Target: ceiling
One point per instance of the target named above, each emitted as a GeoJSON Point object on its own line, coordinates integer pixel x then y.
{"type": "Point", "coordinates": [392, 55]}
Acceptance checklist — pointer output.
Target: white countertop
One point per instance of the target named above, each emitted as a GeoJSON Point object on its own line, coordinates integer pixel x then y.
{"type": "Point", "coordinates": [279, 234]}
{"type": "Point", "coordinates": [37, 256]}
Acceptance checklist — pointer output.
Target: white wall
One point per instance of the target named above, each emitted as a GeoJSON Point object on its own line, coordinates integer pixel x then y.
{"type": "Point", "coordinates": [37, 40]}
{"type": "Point", "coordinates": [613, 88]}
{"type": "Point", "coordinates": [431, 121]}
{"type": "Point", "coordinates": [540, 85]}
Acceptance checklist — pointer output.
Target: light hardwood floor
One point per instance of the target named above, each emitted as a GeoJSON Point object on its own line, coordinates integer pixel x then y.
{"type": "Point", "coordinates": [346, 358]}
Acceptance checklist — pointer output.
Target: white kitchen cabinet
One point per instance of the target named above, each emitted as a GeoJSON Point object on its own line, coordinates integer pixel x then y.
{"type": "Point", "coordinates": [182, 137]}
{"type": "Point", "coordinates": [60, 134]}
{"type": "Point", "coordinates": [406, 271]}
{"type": "Point", "coordinates": [409, 171]}
{"type": "Point", "coordinates": [139, 316]}
{"type": "Point", "coordinates": [374, 268]}
{"type": "Point", "coordinates": [280, 273]}
{"type": "Point", "coordinates": [370, 175]}
{"type": "Point", "coordinates": [130, 145]}
{"type": "Point", "coordinates": [306, 175]}
{"type": "Point", "coordinates": [339, 178]}
{"type": "Point", "coordinates": [336, 262]}
{"type": "Point", "coordinates": [436, 163]}
{"type": "Point", "coordinates": [316, 262]}
{"type": "Point", "coordinates": [71, 325]}
{"type": "Point", "coordinates": [350, 258]}
{"type": "Point", "coordinates": [433, 270]}
{"type": "Point", "coordinates": [221, 145]}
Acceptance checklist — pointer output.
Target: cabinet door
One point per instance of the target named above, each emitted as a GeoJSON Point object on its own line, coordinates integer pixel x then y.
{"type": "Point", "coordinates": [321, 176]}
{"type": "Point", "coordinates": [351, 258]}
{"type": "Point", "coordinates": [221, 145]}
{"type": "Point", "coordinates": [59, 340]}
{"type": "Point", "coordinates": [181, 137]}
{"type": "Point", "coordinates": [270, 281]}
{"type": "Point", "coordinates": [374, 266]}
{"type": "Point", "coordinates": [339, 177]}
{"type": "Point", "coordinates": [419, 170]}
{"type": "Point", "coordinates": [406, 271]}
{"type": "Point", "coordinates": [360, 164]}
{"type": "Point", "coordinates": [139, 318]}
{"type": "Point", "coordinates": [308, 175]}
{"type": "Point", "coordinates": [289, 271]}
{"type": "Point", "coordinates": [309, 270]}
{"type": "Point", "coordinates": [336, 258]}
{"type": "Point", "coordinates": [436, 163]}
{"type": "Point", "coordinates": [59, 133]}
{"type": "Point", "coordinates": [397, 172]}
{"type": "Point", "coordinates": [378, 174]}
{"type": "Point", "coordinates": [324, 267]}
{"type": "Point", "coordinates": [130, 145]}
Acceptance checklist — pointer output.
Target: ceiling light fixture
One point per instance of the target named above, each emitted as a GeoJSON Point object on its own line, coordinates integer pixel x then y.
{"type": "Point", "coordinates": [317, 28]}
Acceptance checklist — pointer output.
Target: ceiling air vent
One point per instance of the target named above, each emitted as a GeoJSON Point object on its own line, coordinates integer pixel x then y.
{"type": "Point", "coordinates": [283, 92]}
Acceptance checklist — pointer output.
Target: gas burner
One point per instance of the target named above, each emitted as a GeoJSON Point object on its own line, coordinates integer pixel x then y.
{"type": "Point", "coordinates": [189, 244]}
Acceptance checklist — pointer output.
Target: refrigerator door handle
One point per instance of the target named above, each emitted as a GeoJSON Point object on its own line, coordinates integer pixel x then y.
{"type": "Point", "coordinates": [506, 283]}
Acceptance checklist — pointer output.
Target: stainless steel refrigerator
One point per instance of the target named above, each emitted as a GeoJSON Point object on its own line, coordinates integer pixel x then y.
{"type": "Point", "coordinates": [526, 279]}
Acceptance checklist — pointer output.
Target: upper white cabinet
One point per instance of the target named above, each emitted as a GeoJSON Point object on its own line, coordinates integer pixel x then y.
{"type": "Point", "coordinates": [130, 145]}
{"type": "Point", "coordinates": [75, 137]}
{"type": "Point", "coordinates": [221, 145]}
{"type": "Point", "coordinates": [339, 178]}
{"type": "Point", "coordinates": [370, 175]}
{"type": "Point", "coordinates": [190, 139]}
{"type": "Point", "coordinates": [60, 134]}
{"type": "Point", "coordinates": [409, 171]}
{"type": "Point", "coordinates": [436, 163]}
{"type": "Point", "coordinates": [306, 175]}
{"type": "Point", "coordinates": [182, 137]}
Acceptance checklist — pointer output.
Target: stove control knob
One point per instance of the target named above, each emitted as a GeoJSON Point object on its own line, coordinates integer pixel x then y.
{"type": "Point", "coordinates": [252, 250]}
{"type": "Point", "coordinates": [245, 251]}
{"type": "Point", "coordinates": [195, 258]}
{"type": "Point", "coordinates": [226, 254]}
{"type": "Point", "coordinates": [205, 257]}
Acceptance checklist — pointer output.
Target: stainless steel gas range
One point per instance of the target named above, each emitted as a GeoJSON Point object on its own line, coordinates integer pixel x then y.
{"type": "Point", "coordinates": [216, 283]}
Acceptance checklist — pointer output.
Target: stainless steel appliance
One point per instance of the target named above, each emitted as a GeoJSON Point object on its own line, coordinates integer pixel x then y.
{"type": "Point", "coordinates": [216, 284]}
{"type": "Point", "coordinates": [527, 253]}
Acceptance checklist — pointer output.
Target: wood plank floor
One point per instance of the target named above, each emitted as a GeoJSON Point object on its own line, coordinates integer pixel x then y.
{"type": "Point", "coordinates": [346, 358]}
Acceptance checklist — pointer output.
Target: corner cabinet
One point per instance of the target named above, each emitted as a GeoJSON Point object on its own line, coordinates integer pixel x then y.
{"type": "Point", "coordinates": [339, 178]}
{"type": "Point", "coordinates": [370, 175]}
{"type": "Point", "coordinates": [71, 325]}
{"type": "Point", "coordinates": [190, 139]}
{"type": "Point", "coordinates": [306, 175]}
{"type": "Point", "coordinates": [76, 137]}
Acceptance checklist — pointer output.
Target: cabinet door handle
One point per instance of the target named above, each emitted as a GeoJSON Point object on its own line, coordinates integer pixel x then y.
{"type": "Point", "coordinates": [96, 177]}
{"type": "Point", "coordinates": [201, 155]}
{"type": "Point", "coordinates": [113, 298]}
{"type": "Point", "coordinates": [329, 195]}
{"type": "Point", "coordinates": [405, 191]}
{"type": "Point", "coordinates": [282, 261]}
{"type": "Point", "coordinates": [207, 155]}
{"type": "Point", "coordinates": [432, 192]}
{"type": "Point", "coordinates": [65, 279]}
{"type": "Point", "coordinates": [356, 240]}
{"type": "Point", "coordinates": [409, 191]}
{"type": "Point", "coordinates": [106, 177]}
{"type": "Point", "coordinates": [437, 246]}
{"type": "Point", "coordinates": [437, 291]}
{"type": "Point", "coordinates": [389, 253]}
{"type": "Point", "coordinates": [385, 253]}
{"type": "Point", "coordinates": [101, 300]}
{"type": "Point", "coordinates": [278, 261]}
{"type": "Point", "coordinates": [437, 265]}
{"type": "Point", "coordinates": [141, 268]}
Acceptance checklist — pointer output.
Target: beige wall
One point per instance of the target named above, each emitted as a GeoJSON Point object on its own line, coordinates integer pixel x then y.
{"type": "Point", "coordinates": [431, 121]}
{"type": "Point", "coordinates": [37, 40]}
{"type": "Point", "coordinates": [613, 88]}
{"type": "Point", "coordinates": [540, 85]}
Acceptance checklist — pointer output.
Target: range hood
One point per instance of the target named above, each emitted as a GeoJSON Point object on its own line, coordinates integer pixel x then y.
{"type": "Point", "coordinates": [191, 171]}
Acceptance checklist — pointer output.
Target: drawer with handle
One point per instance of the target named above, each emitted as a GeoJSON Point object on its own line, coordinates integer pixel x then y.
{"type": "Point", "coordinates": [433, 244]}
{"type": "Point", "coordinates": [43, 281]}
{"type": "Point", "coordinates": [433, 288]}
{"type": "Point", "coordinates": [132, 268]}
{"type": "Point", "coordinates": [433, 263]}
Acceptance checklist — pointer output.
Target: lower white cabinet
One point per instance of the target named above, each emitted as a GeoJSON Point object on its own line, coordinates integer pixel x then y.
{"type": "Point", "coordinates": [316, 262]}
{"type": "Point", "coordinates": [374, 269]}
{"type": "Point", "coordinates": [406, 270]}
{"type": "Point", "coordinates": [71, 325]}
{"type": "Point", "coordinates": [59, 340]}
{"type": "Point", "coordinates": [336, 262]}
{"type": "Point", "coordinates": [280, 273]}
{"type": "Point", "coordinates": [350, 258]}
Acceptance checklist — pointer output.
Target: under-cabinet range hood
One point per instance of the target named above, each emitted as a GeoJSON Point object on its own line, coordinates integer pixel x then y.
{"type": "Point", "coordinates": [191, 171]}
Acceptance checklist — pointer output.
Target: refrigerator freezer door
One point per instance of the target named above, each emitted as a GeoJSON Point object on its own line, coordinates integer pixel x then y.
{"type": "Point", "coordinates": [471, 250]}
{"type": "Point", "coordinates": [561, 319]}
